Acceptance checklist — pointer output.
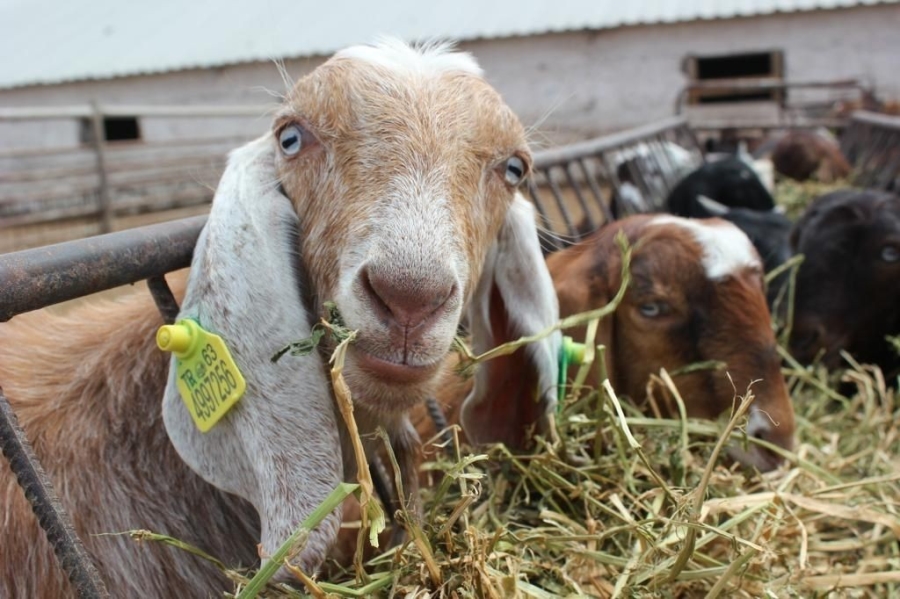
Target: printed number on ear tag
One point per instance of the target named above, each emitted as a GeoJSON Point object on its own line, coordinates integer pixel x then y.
{"type": "Point", "coordinates": [207, 377]}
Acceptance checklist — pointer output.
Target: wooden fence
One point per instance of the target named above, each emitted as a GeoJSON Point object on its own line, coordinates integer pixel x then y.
{"type": "Point", "coordinates": [55, 195]}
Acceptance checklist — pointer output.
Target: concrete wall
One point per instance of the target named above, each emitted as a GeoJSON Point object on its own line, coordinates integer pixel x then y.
{"type": "Point", "coordinates": [567, 85]}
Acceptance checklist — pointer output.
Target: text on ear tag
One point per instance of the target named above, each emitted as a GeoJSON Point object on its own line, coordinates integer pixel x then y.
{"type": "Point", "coordinates": [209, 381]}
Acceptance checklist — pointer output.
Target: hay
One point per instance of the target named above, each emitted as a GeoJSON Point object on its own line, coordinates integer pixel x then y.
{"type": "Point", "coordinates": [625, 505]}
{"type": "Point", "coordinates": [592, 518]}
{"type": "Point", "coordinates": [795, 196]}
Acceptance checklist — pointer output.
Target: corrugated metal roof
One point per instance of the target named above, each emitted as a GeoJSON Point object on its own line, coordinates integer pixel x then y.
{"type": "Point", "coordinates": [50, 41]}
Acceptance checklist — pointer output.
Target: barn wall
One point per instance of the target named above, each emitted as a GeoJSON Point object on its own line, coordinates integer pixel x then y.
{"type": "Point", "coordinates": [570, 85]}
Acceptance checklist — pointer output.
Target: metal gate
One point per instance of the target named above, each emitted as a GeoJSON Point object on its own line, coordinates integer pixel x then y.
{"type": "Point", "coordinates": [871, 143]}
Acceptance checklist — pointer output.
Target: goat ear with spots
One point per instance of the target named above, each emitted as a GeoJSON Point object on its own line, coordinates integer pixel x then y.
{"type": "Point", "coordinates": [514, 395]}
{"type": "Point", "coordinates": [278, 446]}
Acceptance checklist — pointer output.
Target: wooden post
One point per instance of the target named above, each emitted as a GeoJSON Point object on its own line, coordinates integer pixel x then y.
{"type": "Point", "coordinates": [105, 203]}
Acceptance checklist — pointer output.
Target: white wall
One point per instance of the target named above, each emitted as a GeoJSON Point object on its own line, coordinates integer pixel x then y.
{"type": "Point", "coordinates": [571, 85]}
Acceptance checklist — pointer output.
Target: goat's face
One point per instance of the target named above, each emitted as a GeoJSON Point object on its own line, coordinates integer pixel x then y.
{"type": "Point", "coordinates": [399, 167]}
{"type": "Point", "coordinates": [847, 286]}
{"type": "Point", "coordinates": [401, 170]}
{"type": "Point", "coordinates": [696, 295]}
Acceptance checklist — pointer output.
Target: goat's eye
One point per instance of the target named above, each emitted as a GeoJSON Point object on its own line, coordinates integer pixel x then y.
{"type": "Point", "coordinates": [651, 309]}
{"type": "Point", "coordinates": [890, 253]}
{"type": "Point", "coordinates": [515, 171]}
{"type": "Point", "coordinates": [291, 140]}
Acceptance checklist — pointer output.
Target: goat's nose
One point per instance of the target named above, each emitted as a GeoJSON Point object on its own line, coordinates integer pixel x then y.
{"type": "Point", "coordinates": [765, 430]}
{"type": "Point", "coordinates": [779, 434]}
{"type": "Point", "coordinates": [403, 300]}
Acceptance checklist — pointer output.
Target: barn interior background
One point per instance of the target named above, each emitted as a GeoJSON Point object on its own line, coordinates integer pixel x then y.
{"type": "Point", "coordinates": [111, 116]}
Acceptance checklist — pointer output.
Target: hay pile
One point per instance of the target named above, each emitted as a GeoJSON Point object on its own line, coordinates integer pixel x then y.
{"type": "Point", "coordinates": [795, 196]}
{"type": "Point", "coordinates": [596, 516]}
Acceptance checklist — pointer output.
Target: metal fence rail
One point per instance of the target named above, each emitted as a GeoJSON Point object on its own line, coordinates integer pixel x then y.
{"type": "Point", "coordinates": [578, 187]}
{"type": "Point", "coordinates": [871, 143]}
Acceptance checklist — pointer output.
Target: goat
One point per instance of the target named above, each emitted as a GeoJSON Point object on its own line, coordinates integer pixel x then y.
{"type": "Point", "coordinates": [387, 185]}
{"type": "Point", "coordinates": [696, 295]}
{"type": "Point", "coordinates": [729, 181]}
{"type": "Point", "coordinates": [803, 155]}
{"type": "Point", "coordinates": [847, 293]}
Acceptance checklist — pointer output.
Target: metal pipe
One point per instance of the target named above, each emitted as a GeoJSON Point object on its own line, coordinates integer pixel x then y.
{"type": "Point", "coordinates": [103, 196]}
{"type": "Point", "coordinates": [33, 279]}
{"type": "Point", "coordinates": [39, 491]}
{"type": "Point", "coordinates": [873, 118]}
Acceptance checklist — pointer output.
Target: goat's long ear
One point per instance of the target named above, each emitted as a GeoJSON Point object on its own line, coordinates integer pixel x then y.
{"type": "Point", "coordinates": [515, 394]}
{"type": "Point", "coordinates": [278, 446]}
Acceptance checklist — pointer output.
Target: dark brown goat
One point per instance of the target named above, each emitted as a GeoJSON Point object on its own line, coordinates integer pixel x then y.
{"type": "Point", "coordinates": [848, 287]}
{"type": "Point", "coordinates": [803, 155]}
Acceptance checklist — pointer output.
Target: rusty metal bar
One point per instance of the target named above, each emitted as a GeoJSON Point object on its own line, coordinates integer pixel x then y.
{"type": "Point", "coordinates": [104, 200]}
{"type": "Point", "coordinates": [766, 83]}
{"type": "Point", "coordinates": [33, 279]}
{"type": "Point", "coordinates": [38, 489]}
{"type": "Point", "coordinates": [164, 298]}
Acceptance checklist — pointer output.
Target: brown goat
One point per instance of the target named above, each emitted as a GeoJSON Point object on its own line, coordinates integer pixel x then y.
{"type": "Point", "coordinates": [85, 387]}
{"type": "Point", "coordinates": [802, 155]}
{"type": "Point", "coordinates": [697, 294]}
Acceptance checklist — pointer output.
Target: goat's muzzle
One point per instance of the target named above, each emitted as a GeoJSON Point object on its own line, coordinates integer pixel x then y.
{"type": "Point", "coordinates": [408, 305]}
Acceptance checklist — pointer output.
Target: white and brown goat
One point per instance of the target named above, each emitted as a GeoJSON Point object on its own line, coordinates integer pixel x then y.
{"type": "Point", "coordinates": [696, 295]}
{"type": "Point", "coordinates": [388, 186]}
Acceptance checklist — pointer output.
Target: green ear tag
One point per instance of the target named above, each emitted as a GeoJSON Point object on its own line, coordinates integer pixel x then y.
{"type": "Point", "coordinates": [207, 377]}
{"type": "Point", "coordinates": [570, 352]}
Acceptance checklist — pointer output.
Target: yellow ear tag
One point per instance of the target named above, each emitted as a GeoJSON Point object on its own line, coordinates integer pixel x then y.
{"type": "Point", "coordinates": [207, 377]}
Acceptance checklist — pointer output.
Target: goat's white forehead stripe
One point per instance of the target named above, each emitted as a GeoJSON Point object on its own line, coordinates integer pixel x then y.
{"type": "Point", "coordinates": [427, 59]}
{"type": "Point", "coordinates": [726, 249]}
